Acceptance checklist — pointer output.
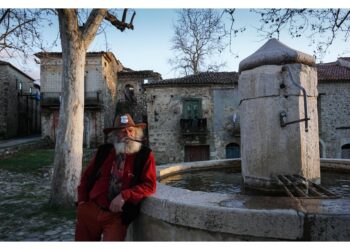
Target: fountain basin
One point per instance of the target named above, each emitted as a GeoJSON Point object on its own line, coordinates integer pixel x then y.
{"type": "Point", "coordinates": [175, 214]}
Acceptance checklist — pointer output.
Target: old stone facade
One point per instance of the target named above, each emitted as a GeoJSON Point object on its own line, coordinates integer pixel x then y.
{"type": "Point", "coordinates": [131, 93]}
{"type": "Point", "coordinates": [219, 108]}
{"type": "Point", "coordinates": [19, 103]}
{"type": "Point", "coordinates": [334, 108]}
{"type": "Point", "coordinates": [100, 94]}
{"type": "Point", "coordinates": [191, 118]}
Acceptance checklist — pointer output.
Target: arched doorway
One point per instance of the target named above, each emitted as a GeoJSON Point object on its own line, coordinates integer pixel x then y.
{"type": "Point", "coordinates": [233, 151]}
{"type": "Point", "coordinates": [345, 151]}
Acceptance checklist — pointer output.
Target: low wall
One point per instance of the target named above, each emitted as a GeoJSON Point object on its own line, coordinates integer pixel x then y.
{"type": "Point", "coordinates": [9, 151]}
{"type": "Point", "coordinates": [338, 165]}
{"type": "Point", "coordinates": [175, 214]}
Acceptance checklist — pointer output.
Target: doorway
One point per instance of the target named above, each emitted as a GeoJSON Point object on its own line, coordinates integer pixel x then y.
{"type": "Point", "coordinates": [197, 153]}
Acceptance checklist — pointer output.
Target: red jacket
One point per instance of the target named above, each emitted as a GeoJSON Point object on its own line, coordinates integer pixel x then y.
{"type": "Point", "coordinates": [133, 194]}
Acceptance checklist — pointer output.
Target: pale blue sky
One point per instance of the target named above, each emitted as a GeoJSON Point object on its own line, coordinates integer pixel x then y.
{"type": "Point", "coordinates": [147, 47]}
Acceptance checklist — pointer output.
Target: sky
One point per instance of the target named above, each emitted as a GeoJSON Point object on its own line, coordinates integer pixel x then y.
{"type": "Point", "coordinates": [148, 46]}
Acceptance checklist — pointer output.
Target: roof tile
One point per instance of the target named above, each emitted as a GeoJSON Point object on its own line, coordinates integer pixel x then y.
{"type": "Point", "coordinates": [333, 71]}
{"type": "Point", "coordinates": [201, 78]}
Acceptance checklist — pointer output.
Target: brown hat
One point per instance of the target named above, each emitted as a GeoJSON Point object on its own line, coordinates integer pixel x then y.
{"type": "Point", "coordinates": [123, 121]}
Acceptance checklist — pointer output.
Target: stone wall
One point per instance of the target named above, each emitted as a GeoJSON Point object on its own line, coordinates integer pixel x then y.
{"type": "Point", "coordinates": [136, 79]}
{"type": "Point", "coordinates": [9, 83]}
{"type": "Point", "coordinates": [108, 85]}
{"type": "Point", "coordinates": [100, 86]}
{"type": "Point", "coordinates": [3, 104]}
{"type": "Point", "coordinates": [334, 109]}
{"type": "Point", "coordinates": [225, 105]}
{"type": "Point", "coordinates": [164, 111]}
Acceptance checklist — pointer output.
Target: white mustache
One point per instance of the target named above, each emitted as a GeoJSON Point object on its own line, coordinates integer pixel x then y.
{"type": "Point", "coordinates": [130, 139]}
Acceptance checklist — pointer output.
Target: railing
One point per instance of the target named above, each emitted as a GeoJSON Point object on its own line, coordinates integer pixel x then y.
{"type": "Point", "coordinates": [52, 99]}
{"type": "Point", "coordinates": [193, 126]}
{"type": "Point", "coordinates": [93, 99]}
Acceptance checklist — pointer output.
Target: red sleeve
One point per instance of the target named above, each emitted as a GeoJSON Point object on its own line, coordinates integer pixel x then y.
{"type": "Point", "coordinates": [82, 192]}
{"type": "Point", "coordinates": [148, 183]}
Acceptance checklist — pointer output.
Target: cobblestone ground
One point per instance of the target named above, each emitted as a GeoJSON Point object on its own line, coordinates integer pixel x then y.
{"type": "Point", "coordinates": [24, 211]}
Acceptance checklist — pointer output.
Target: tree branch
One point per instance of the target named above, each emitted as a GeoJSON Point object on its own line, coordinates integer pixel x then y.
{"type": "Point", "coordinates": [4, 35]}
{"type": "Point", "coordinates": [120, 25]}
{"type": "Point", "coordinates": [4, 15]}
{"type": "Point", "coordinates": [91, 26]}
{"type": "Point", "coordinates": [343, 19]}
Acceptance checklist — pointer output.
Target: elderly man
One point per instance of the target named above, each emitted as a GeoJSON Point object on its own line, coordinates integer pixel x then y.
{"type": "Point", "coordinates": [118, 177]}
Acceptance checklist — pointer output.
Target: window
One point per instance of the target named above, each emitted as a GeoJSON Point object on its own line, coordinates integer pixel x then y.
{"type": "Point", "coordinates": [20, 86]}
{"type": "Point", "coordinates": [192, 109]}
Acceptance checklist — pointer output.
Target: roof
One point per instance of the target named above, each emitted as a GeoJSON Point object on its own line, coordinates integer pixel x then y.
{"type": "Point", "coordinates": [146, 73]}
{"type": "Point", "coordinates": [199, 79]}
{"type": "Point", "coordinates": [109, 55]}
{"type": "Point", "coordinates": [15, 68]}
{"type": "Point", "coordinates": [334, 71]}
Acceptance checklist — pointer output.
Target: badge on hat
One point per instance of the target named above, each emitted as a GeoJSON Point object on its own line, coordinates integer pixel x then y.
{"type": "Point", "coordinates": [124, 119]}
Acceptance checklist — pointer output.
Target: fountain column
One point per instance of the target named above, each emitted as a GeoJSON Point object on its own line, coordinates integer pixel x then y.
{"type": "Point", "coordinates": [277, 85]}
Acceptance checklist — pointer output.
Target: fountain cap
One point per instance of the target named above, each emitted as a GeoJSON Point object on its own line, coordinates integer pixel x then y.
{"type": "Point", "coordinates": [273, 52]}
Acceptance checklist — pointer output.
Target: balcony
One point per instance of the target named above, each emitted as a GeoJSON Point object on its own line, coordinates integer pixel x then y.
{"type": "Point", "coordinates": [193, 126]}
{"type": "Point", "coordinates": [93, 99]}
{"type": "Point", "coordinates": [53, 99]}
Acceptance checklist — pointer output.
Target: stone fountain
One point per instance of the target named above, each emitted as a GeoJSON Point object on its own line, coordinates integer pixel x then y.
{"type": "Point", "coordinates": [279, 136]}
{"type": "Point", "coordinates": [279, 122]}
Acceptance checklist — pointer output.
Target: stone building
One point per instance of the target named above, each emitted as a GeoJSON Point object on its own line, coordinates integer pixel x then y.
{"type": "Point", "coordinates": [334, 108]}
{"type": "Point", "coordinates": [100, 94]}
{"type": "Point", "coordinates": [19, 103]}
{"type": "Point", "coordinates": [131, 93]}
{"type": "Point", "coordinates": [194, 117]}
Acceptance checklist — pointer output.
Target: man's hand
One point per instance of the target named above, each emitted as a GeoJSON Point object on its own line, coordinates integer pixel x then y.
{"type": "Point", "coordinates": [117, 204]}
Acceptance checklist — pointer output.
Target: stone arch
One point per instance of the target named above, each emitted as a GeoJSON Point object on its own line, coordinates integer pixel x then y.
{"type": "Point", "coordinates": [233, 150]}
{"type": "Point", "coordinates": [345, 151]}
{"type": "Point", "coordinates": [129, 92]}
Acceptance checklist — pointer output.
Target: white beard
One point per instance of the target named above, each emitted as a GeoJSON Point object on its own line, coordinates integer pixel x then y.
{"type": "Point", "coordinates": [128, 147]}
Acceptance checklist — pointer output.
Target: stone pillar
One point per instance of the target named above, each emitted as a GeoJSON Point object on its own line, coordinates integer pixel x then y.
{"type": "Point", "coordinates": [270, 100]}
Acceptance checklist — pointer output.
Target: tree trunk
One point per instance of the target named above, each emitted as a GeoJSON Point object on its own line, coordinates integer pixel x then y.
{"type": "Point", "coordinates": [69, 142]}
{"type": "Point", "coordinates": [69, 139]}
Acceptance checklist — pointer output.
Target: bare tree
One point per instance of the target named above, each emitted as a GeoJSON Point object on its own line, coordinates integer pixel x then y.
{"type": "Point", "coordinates": [20, 30]}
{"type": "Point", "coordinates": [199, 36]}
{"type": "Point", "coordinates": [75, 40]}
{"type": "Point", "coordinates": [321, 26]}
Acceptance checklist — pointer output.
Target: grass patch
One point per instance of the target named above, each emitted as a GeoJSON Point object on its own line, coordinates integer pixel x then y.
{"type": "Point", "coordinates": [28, 161]}
{"type": "Point", "coordinates": [32, 162]}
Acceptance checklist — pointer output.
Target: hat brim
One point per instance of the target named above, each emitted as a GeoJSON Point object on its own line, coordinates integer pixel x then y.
{"type": "Point", "coordinates": [108, 130]}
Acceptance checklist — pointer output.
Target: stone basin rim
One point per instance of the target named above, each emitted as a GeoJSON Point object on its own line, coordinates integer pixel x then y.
{"type": "Point", "coordinates": [248, 216]}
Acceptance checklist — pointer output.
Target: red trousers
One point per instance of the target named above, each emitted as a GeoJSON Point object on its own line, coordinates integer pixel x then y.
{"type": "Point", "coordinates": [95, 224]}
